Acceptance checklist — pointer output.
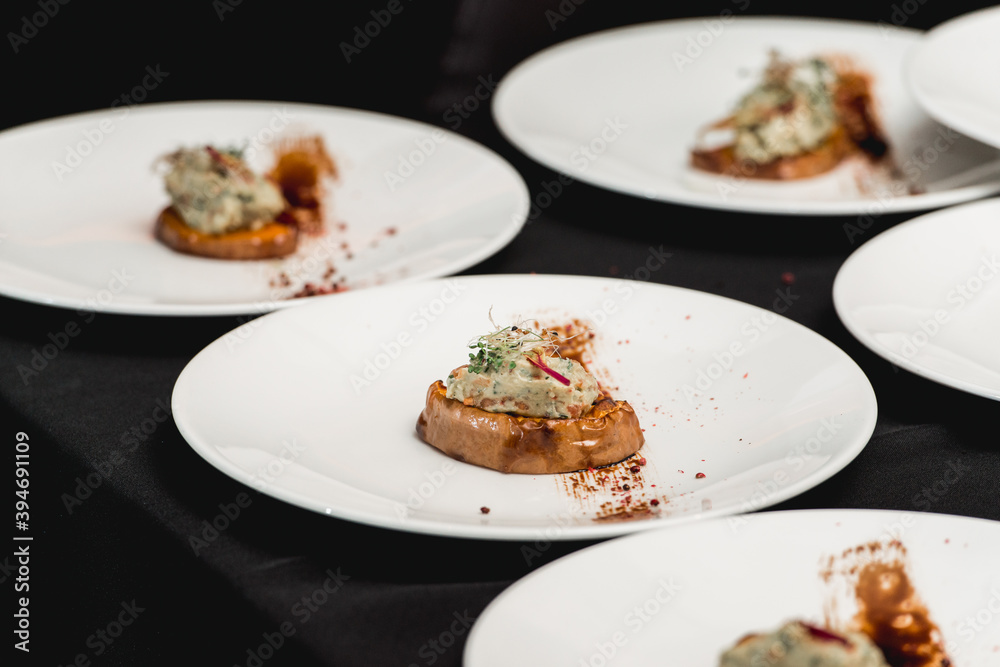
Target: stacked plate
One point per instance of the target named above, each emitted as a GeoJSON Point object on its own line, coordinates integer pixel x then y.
{"type": "Point", "coordinates": [923, 294]}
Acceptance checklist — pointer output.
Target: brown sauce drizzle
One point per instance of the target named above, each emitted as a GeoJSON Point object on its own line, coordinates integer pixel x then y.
{"type": "Point", "coordinates": [892, 614]}
{"type": "Point", "coordinates": [618, 491]}
{"type": "Point", "coordinates": [301, 167]}
{"type": "Point", "coordinates": [890, 611]}
{"type": "Point", "coordinates": [575, 341]}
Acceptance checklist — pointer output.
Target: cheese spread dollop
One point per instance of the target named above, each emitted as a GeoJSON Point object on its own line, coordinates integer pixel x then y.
{"type": "Point", "coordinates": [525, 389]}
{"type": "Point", "coordinates": [215, 192]}
{"type": "Point", "coordinates": [795, 645]}
{"type": "Point", "coordinates": [790, 112]}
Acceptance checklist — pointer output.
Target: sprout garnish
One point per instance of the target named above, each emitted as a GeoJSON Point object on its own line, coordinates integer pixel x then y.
{"type": "Point", "coordinates": [504, 346]}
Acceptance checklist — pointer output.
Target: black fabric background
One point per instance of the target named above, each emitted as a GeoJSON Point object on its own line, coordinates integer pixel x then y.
{"type": "Point", "coordinates": [130, 540]}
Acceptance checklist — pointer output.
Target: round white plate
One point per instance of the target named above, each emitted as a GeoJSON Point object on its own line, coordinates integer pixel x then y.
{"type": "Point", "coordinates": [944, 74]}
{"type": "Point", "coordinates": [621, 109]}
{"type": "Point", "coordinates": [925, 295]}
{"type": "Point", "coordinates": [318, 405]}
{"type": "Point", "coordinates": [78, 198]}
{"type": "Point", "coordinates": [681, 596]}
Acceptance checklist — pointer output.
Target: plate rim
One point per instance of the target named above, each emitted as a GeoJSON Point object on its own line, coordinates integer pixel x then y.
{"type": "Point", "coordinates": [211, 454]}
{"type": "Point", "coordinates": [909, 203]}
{"type": "Point", "coordinates": [943, 113]}
{"type": "Point", "coordinates": [862, 336]}
{"type": "Point", "coordinates": [776, 517]}
{"type": "Point", "coordinates": [518, 218]}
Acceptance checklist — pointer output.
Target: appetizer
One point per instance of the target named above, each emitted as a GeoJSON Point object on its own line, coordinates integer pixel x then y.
{"type": "Point", "coordinates": [799, 644]}
{"type": "Point", "coordinates": [520, 406]}
{"type": "Point", "coordinates": [892, 627]}
{"type": "Point", "coordinates": [803, 119]}
{"type": "Point", "coordinates": [220, 208]}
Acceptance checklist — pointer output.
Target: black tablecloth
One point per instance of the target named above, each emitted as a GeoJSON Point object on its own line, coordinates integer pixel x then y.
{"type": "Point", "coordinates": [122, 567]}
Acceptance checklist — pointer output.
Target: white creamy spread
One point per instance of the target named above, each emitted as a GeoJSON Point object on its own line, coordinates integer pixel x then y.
{"type": "Point", "coordinates": [215, 192]}
{"type": "Point", "coordinates": [790, 112]}
{"type": "Point", "coordinates": [793, 645]}
{"type": "Point", "coordinates": [527, 390]}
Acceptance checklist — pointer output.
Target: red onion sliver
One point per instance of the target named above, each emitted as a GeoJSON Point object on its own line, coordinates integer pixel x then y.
{"type": "Point", "coordinates": [558, 376]}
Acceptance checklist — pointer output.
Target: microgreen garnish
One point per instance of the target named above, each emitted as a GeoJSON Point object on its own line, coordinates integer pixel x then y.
{"type": "Point", "coordinates": [504, 346]}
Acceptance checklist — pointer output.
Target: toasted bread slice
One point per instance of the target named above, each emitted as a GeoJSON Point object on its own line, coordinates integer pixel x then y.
{"type": "Point", "coordinates": [608, 433]}
{"type": "Point", "coordinates": [811, 163]}
{"type": "Point", "coordinates": [274, 239]}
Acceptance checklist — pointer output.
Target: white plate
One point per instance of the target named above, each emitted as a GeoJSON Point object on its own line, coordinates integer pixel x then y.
{"type": "Point", "coordinates": [945, 74]}
{"type": "Point", "coordinates": [925, 295]}
{"type": "Point", "coordinates": [683, 595]}
{"type": "Point", "coordinates": [618, 110]}
{"type": "Point", "coordinates": [342, 380]}
{"type": "Point", "coordinates": [83, 238]}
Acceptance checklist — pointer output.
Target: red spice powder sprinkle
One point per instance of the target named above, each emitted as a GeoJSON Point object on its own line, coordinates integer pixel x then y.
{"type": "Point", "coordinates": [745, 375]}
{"type": "Point", "coordinates": [311, 289]}
{"type": "Point", "coordinates": [700, 475]}
{"type": "Point", "coordinates": [654, 502]}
